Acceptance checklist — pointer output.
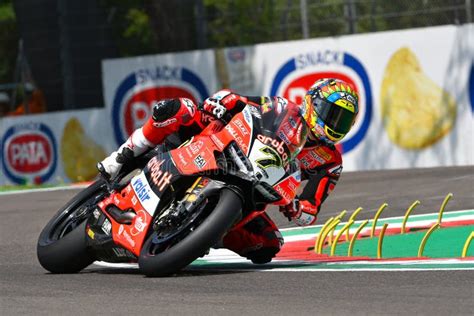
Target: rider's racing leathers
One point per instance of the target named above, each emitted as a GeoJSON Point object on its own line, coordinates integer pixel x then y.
{"type": "Point", "coordinates": [260, 239]}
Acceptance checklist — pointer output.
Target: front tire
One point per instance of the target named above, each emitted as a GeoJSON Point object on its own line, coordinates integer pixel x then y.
{"type": "Point", "coordinates": [62, 246]}
{"type": "Point", "coordinates": [212, 229]}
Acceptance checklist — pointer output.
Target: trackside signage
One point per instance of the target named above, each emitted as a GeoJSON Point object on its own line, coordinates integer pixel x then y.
{"type": "Point", "coordinates": [29, 153]}
{"type": "Point", "coordinates": [415, 107]}
{"type": "Point", "coordinates": [300, 71]}
{"type": "Point", "coordinates": [57, 147]}
{"type": "Point", "coordinates": [133, 84]}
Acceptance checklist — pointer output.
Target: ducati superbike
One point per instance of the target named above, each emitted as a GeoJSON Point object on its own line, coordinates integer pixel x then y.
{"type": "Point", "coordinates": [169, 207]}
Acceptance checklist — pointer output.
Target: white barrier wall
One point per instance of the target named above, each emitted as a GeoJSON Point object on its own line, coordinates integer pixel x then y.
{"type": "Point", "coordinates": [416, 100]}
{"type": "Point", "coordinates": [55, 147]}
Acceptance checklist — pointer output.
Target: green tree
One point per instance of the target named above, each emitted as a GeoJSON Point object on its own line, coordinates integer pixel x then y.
{"type": "Point", "coordinates": [152, 26]}
{"type": "Point", "coordinates": [245, 22]}
{"type": "Point", "coordinates": [8, 41]}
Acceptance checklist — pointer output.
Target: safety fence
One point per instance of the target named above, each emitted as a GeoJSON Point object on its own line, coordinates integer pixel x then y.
{"type": "Point", "coordinates": [66, 40]}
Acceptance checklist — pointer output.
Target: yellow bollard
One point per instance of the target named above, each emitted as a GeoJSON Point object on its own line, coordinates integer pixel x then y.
{"type": "Point", "coordinates": [339, 234]}
{"type": "Point", "coordinates": [425, 239]}
{"type": "Point", "coordinates": [466, 245]}
{"type": "Point", "coordinates": [405, 219]}
{"type": "Point", "coordinates": [376, 218]}
{"type": "Point", "coordinates": [316, 242]}
{"type": "Point", "coordinates": [441, 209]}
{"type": "Point", "coordinates": [334, 223]}
{"type": "Point", "coordinates": [354, 237]}
{"type": "Point", "coordinates": [339, 217]}
{"type": "Point", "coordinates": [379, 245]}
{"type": "Point", "coordinates": [352, 218]}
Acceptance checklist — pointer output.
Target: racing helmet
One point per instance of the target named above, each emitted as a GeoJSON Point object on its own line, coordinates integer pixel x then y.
{"type": "Point", "coordinates": [330, 109]}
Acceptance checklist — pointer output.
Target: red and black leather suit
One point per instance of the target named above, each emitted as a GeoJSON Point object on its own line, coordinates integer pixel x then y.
{"type": "Point", "coordinates": [321, 164]}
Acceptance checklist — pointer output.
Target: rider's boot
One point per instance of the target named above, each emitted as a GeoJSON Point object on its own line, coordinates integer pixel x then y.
{"type": "Point", "coordinates": [135, 145]}
{"type": "Point", "coordinates": [259, 240]}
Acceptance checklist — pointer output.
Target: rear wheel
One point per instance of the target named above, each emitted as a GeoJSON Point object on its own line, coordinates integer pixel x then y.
{"type": "Point", "coordinates": [164, 253]}
{"type": "Point", "coordinates": [62, 246]}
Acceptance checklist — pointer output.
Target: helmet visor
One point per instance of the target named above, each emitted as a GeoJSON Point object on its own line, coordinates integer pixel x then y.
{"type": "Point", "coordinates": [336, 117]}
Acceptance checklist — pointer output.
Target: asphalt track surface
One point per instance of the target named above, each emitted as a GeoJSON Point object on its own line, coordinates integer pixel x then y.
{"type": "Point", "coordinates": [25, 288]}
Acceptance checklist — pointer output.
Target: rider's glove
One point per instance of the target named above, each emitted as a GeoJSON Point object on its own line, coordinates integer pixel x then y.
{"type": "Point", "coordinates": [214, 107]}
{"type": "Point", "coordinates": [303, 213]}
{"type": "Point", "coordinates": [291, 210]}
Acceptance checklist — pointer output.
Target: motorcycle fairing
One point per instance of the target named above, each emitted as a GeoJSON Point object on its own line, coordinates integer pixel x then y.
{"type": "Point", "coordinates": [139, 200]}
{"type": "Point", "coordinates": [145, 194]}
{"type": "Point", "coordinates": [128, 234]}
{"type": "Point", "coordinates": [270, 140]}
{"type": "Point", "coordinates": [198, 155]}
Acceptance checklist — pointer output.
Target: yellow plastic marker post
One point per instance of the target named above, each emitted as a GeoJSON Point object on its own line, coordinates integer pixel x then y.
{"type": "Point", "coordinates": [341, 215]}
{"type": "Point", "coordinates": [376, 218]}
{"type": "Point", "coordinates": [323, 235]}
{"type": "Point", "coordinates": [352, 218]}
{"type": "Point", "coordinates": [339, 234]}
{"type": "Point", "coordinates": [466, 245]}
{"type": "Point", "coordinates": [316, 242]}
{"type": "Point", "coordinates": [334, 223]}
{"type": "Point", "coordinates": [441, 209]}
{"type": "Point", "coordinates": [405, 219]}
{"type": "Point", "coordinates": [354, 237]}
{"type": "Point", "coordinates": [380, 243]}
{"type": "Point", "coordinates": [425, 239]}
{"type": "Point", "coordinates": [331, 233]}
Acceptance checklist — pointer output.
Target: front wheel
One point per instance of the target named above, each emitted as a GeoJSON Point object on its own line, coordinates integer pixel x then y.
{"type": "Point", "coordinates": [196, 242]}
{"type": "Point", "coordinates": [62, 244]}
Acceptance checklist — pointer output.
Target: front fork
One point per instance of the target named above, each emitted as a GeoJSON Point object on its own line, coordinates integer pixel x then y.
{"type": "Point", "coordinates": [199, 191]}
{"type": "Point", "coordinates": [195, 195]}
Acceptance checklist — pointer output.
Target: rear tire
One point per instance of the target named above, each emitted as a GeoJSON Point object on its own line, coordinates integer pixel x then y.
{"type": "Point", "coordinates": [212, 229]}
{"type": "Point", "coordinates": [67, 253]}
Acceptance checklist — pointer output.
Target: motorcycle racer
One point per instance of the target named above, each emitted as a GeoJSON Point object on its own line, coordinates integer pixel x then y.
{"type": "Point", "coordinates": [329, 109]}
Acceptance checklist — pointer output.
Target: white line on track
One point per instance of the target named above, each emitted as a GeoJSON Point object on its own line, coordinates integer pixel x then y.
{"type": "Point", "coordinates": [408, 265]}
{"type": "Point", "coordinates": [360, 270]}
{"type": "Point", "coordinates": [53, 189]}
{"type": "Point", "coordinates": [375, 269]}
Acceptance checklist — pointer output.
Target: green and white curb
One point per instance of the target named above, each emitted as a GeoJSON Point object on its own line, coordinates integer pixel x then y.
{"type": "Point", "coordinates": [303, 260]}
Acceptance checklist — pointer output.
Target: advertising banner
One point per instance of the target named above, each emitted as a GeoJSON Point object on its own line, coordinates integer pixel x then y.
{"type": "Point", "coordinates": [57, 147]}
{"type": "Point", "coordinates": [415, 86]}
{"type": "Point", "coordinates": [132, 84]}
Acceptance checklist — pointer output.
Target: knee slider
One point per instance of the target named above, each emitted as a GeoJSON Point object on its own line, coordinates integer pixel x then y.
{"type": "Point", "coordinates": [165, 109]}
{"type": "Point", "coordinates": [263, 255]}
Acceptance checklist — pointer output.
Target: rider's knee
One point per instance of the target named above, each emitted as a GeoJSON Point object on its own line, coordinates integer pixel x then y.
{"type": "Point", "coordinates": [165, 109]}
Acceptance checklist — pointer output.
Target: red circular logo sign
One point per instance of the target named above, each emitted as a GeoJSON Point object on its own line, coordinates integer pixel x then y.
{"type": "Point", "coordinates": [29, 153]}
{"type": "Point", "coordinates": [297, 74]}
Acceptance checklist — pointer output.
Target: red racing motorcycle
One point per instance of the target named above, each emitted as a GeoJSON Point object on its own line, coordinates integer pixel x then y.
{"type": "Point", "coordinates": [171, 206]}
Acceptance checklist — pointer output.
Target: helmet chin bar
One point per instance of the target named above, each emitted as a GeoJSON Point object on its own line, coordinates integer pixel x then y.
{"type": "Point", "coordinates": [320, 138]}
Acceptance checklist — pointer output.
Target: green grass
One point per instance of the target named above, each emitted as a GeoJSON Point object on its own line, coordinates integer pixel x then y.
{"type": "Point", "coordinates": [443, 243]}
